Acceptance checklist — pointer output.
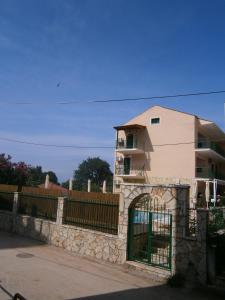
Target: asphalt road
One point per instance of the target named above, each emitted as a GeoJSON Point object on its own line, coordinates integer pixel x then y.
{"type": "Point", "coordinates": [39, 271]}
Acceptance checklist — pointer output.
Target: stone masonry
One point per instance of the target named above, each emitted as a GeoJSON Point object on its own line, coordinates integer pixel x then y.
{"type": "Point", "coordinates": [188, 254]}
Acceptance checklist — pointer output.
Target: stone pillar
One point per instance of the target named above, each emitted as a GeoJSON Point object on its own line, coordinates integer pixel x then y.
{"type": "Point", "coordinates": [178, 208]}
{"type": "Point", "coordinates": [15, 203]}
{"type": "Point", "coordinates": [123, 225]}
{"type": "Point", "coordinates": [59, 218]}
{"type": "Point", "coordinates": [201, 236]}
{"type": "Point", "coordinates": [15, 209]}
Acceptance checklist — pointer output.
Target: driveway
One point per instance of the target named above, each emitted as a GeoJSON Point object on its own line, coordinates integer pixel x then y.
{"type": "Point", "coordinates": [39, 271]}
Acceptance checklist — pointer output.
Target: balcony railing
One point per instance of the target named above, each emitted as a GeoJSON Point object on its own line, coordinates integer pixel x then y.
{"type": "Point", "coordinates": [204, 143]}
{"type": "Point", "coordinates": [122, 144]}
{"type": "Point", "coordinates": [135, 171]}
{"type": "Point", "coordinates": [205, 172]}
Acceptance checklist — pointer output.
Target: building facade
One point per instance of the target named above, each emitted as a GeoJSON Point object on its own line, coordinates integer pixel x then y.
{"type": "Point", "coordinates": [165, 146]}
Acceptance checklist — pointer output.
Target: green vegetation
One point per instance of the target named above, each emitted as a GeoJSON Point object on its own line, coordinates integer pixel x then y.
{"type": "Point", "coordinates": [95, 169]}
{"type": "Point", "coordinates": [22, 174]}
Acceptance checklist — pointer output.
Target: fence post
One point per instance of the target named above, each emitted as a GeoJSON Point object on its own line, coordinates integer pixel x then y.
{"type": "Point", "coordinates": [104, 187]}
{"type": "Point", "coordinates": [71, 184]}
{"type": "Point", "coordinates": [59, 218]}
{"type": "Point", "coordinates": [15, 209]}
{"type": "Point", "coordinates": [89, 185]}
{"type": "Point", "coordinates": [47, 181]}
{"type": "Point", "coordinates": [15, 202]}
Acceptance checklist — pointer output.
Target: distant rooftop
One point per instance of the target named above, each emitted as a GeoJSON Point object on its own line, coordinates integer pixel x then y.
{"type": "Point", "coordinates": [53, 186]}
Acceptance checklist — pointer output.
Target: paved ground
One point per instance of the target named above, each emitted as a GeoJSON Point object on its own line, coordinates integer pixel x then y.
{"type": "Point", "coordinates": [44, 272]}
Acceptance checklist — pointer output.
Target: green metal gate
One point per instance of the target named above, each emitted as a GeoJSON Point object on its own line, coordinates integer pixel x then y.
{"type": "Point", "coordinates": [150, 234]}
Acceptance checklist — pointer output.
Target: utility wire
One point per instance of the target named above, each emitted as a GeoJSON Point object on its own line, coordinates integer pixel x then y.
{"type": "Point", "coordinates": [81, 147]}
{"type": "Point", "coordinates": [54, 146]}
{"type": "Point", "coordinates": [89, 147]}
{"type": "Point", "coordinates": [116, 100]}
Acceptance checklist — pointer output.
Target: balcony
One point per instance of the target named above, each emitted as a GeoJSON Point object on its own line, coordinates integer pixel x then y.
{"type": "Point", "coordinates": [210, 149]}
{"type": "Point", "coordinates": [126, 147]}
{"type": "Point", "coordinates": [205, 172]}
{"type": "Point", "coordinates": [126, 173]}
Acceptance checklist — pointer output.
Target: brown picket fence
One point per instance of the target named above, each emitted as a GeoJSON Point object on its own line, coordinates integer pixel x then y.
{"type": "Point", "coordinates": [38, 202]}
{"type": "Point", "coordinates": [94, 211]}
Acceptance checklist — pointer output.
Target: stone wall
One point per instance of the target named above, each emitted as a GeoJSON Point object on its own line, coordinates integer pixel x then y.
{"type": "Point", "coordinates": [81, 241]}
{"type": "Point", "coordinates": [6, 221]}
{"type": "Point", "coordinates": [78, 240]}
{"type": "Point", "coordinates": [168, 181]}
{"type": "Point", "coordinates": [188, 254]}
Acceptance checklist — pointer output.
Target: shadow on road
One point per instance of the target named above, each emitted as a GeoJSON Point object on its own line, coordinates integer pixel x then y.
{"type": "Point", "coordinates": [10, 241]}
{"type": "Point", "coordinates": [162, 292]}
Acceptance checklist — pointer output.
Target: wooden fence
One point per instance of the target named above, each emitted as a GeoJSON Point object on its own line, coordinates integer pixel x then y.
{"type": "Point", "coordinates": [8, 188]}
{"type": "Point", "coordinates": [95, 211]}
{"type": "Point", "coordinates": [91, 210]}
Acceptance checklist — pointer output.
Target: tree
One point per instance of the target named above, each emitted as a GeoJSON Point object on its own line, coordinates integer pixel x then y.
{"type": "Point", "coordinates": [36, 176]}
{"type": "Point", "coordinates": [95, 169]}
{"type": "Point", "coordinates": [12, 173]}
{"type": "Point", "coordinates": [22, 174]}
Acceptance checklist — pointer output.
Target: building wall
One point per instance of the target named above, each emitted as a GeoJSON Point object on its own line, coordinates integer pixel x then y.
{"type": "Point", "coordinates": [162, 158]}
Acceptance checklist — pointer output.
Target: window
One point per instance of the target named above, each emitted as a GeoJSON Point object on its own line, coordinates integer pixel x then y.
{"type": "Point", "coordinates": [155, 121]}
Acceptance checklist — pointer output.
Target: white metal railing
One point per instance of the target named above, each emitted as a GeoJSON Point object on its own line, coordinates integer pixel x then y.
{"type": "Point", "coordinates": [205, 143]}
{"type": "Point", "coordinates": [206, 172]}
{"type": "Point", "coordinates": [134, 171]}
{"type": "Point", "coordinates": [122, 144]}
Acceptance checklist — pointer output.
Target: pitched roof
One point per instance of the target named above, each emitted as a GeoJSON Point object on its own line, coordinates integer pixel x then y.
{"type": "Point", "coordinates": [53, 186]}
{"type": "Point", "coordinates": [132, 126]}
{"type": "Point", "coordinates": [182, 112]}
{"type": "Point", "coordinates": [172, 109]}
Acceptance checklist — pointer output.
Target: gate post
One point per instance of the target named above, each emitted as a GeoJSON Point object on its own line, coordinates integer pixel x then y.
{"type": "Point", "coordinates": [201, 236]}
{"type": "Point", "coordinates": [178, 208]}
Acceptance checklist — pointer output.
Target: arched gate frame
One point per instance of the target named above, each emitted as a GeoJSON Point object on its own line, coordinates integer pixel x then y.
{"type": "Point", "coordinates": [150, 233]}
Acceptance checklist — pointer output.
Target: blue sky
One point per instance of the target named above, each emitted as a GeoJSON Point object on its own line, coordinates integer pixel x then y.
{"type": "Point", "coordinates": [102, 49]}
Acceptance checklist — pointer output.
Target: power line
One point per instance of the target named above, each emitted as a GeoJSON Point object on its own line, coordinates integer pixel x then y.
{"type": "Point", "coordinates": [53, 145]}
{"type": "Point", "coordinates": [118, 100]}
{"type": "Point", "coordinates": [81, 147]}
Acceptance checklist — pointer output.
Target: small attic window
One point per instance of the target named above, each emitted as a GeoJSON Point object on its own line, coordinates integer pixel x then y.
{"type": "Point", "coordinates": [155, 121]}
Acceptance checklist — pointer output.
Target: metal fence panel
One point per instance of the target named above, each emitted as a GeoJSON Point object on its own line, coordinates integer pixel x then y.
{"type": "Point", "coordinates": [150, 233]}
{"type": "Point", "coordinates": [38, 206]}
{"type": "Point", "coordinates": [100, 215]}
{"type": "Point", "coordinates": [6, 201]}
